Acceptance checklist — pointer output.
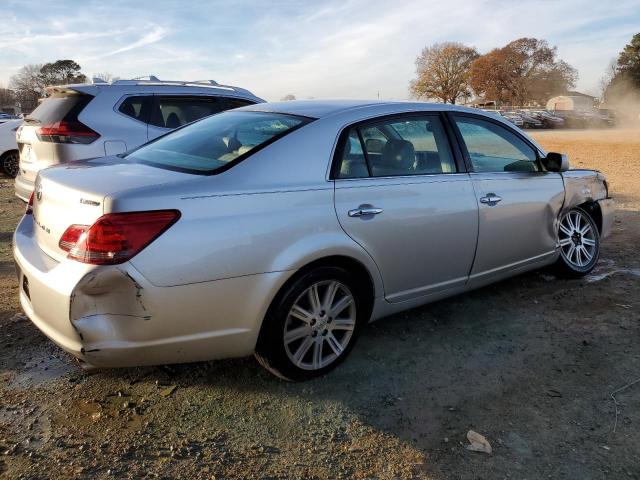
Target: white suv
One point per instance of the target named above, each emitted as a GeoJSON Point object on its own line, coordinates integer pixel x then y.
{"type": "Point", "coordinates": [95, 120]}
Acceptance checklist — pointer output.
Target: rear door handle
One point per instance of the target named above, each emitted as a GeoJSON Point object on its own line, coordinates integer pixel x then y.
{"type": "Point", "coordinates": [491, 199]}
{"type": "Point", "coordinates": [363, 211]}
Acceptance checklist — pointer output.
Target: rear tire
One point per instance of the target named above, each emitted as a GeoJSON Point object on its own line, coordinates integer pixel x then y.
{"type": "Point", "coordinates": [579, 241]}
{"type": "Point", "coordinates": [9, 162]}
{"type": "Point", "coordinates": [313, 324]}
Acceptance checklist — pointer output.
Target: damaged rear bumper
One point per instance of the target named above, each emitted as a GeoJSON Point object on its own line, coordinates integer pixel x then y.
{"type": "Point", "coordinates": [607, 208]}
{"type": "Point", "coordinates": [111, 316]}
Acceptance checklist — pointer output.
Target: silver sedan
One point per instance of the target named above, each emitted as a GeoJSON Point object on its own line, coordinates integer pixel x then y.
{"type": "Point", "coordinates": [281, 229]}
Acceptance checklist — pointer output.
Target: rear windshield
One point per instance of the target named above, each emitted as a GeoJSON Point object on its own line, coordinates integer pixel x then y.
{"type": "Point", "coordinates": [54, 109]}
{"type": "Point", "coordinates": [218, 142]}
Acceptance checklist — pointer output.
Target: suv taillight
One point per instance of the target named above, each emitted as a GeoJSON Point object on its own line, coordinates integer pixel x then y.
{"type": "Point", "coordinates": [116, 237]}
{"type": "Point", "coordinates": [67, 131]}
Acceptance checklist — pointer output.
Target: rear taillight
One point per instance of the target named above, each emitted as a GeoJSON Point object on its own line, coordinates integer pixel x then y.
{"type": "Point", "coordinates": [66, 131]}
{"type": "Point", "coordinates": [116, 237]}
{"type": "Point", "coordinates": [29, 209]}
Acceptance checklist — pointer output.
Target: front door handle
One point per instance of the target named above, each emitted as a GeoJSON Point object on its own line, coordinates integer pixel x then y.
{"type": "Point", "coordinates": [491, 199]}
{"type": "Point", "coordinates": [364, 211]}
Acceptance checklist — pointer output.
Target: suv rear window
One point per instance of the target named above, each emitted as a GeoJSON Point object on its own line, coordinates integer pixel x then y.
{"type": "Point", "coordinates": [59, 107]}
{"type": "Point", "coordinates": [138, 107]}
{"type": "Point", "coordinates": [217, 143]}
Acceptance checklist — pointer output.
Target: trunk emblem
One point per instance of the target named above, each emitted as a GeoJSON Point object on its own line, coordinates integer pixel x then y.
{"type": "Point", "coordinates": [84, 201]}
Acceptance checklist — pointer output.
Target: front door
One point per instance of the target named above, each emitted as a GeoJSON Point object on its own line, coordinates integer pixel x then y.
{"type": "Point", "coordinates": [518, 201]}
{"type": "Point", "coordinates": [398, 193]}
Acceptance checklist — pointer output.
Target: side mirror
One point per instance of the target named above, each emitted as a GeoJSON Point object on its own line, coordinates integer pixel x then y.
{"type": "Point", "coordinates": [556, 162]}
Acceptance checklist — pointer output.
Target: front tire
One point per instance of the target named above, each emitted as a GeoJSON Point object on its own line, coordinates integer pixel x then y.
{"type": "Point", "coordinates": [9, 162]}
{"type": "Point", "coordinates": [579, 241]}
{"type": "Point", "coordinates": [312, 325]}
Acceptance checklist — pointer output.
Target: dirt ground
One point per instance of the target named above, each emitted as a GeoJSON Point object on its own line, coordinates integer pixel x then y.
{"type": "Point", "coordinates": [530, 363]}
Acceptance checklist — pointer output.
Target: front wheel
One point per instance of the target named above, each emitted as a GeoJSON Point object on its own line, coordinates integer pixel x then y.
{"type": "Point", "coordinates": [9, 163]}
{"type": "Point", "coordinates": [313, 325]}
{"type": "Point", "coordinates": [579, 244]}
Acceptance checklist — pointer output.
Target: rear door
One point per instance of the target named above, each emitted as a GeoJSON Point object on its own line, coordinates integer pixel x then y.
{"type": "Point", "coordinates": [518, 201]}
{"type": "Point", "coordinates": [401, 195]}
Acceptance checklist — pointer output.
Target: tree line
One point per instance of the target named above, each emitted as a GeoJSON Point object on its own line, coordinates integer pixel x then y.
{"type": "Point", "coordinates": [525, 71]}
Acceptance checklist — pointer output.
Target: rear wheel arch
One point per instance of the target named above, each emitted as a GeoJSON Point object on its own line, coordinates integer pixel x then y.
{"type": "Point", "coordinates": [351, 265]}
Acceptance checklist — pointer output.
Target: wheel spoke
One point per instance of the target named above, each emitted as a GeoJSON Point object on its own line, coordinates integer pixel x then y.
{"type": "Point", "coordinates": [330, 295]}
{"type": "Point", "coordinates": [297, 334]}
{"type": "Point", "coordinates": [343, 303]}
{"type": "Point", "coordinates": [579, 256]}
{"type": "Point", "coordinates": [571, 251]}
{"type": "Point", "coordinates": [334, 343]}
{"type": "Point", "coordinates": [589, 241]}
{"type": "Point", "coordinates": [300, 313]}
{"type": "Point", "coordinates": [565, 241]}
{"type": "Point", "coordinates": [317, 354]}
{"type": "Point", "coordinates": [585, 253]}
{"type": "Point", "coordinates": [586, 229]}
{"type": "Point", "coordinates": [343, 324]}
{"type": "Point", "coordinates": [314, 298]}
{"type": "Point", "coordinates": [303, 349]}
{"type": "Point", "coordinates": [566, 230]}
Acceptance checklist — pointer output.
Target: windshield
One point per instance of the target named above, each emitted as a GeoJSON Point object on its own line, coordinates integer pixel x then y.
{"type": "Point", "coordinates": [213, 144]}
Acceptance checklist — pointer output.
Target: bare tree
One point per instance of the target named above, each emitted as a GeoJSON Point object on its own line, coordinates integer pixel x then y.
{"type": "Point", "coordinates": [442, 72]}
{"type": "Point", "coordinates": [106, 76]}
{"type": "Point", "coordinates": [28, 87]}
{"type": "Point", "coordinates": [288, 97]}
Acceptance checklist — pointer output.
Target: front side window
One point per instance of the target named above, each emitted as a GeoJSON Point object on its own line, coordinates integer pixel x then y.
{"type": "Point", "coordinates": [493, 148]}
{"type": "Point", "coordinates": [175, 111]}
{"type": "Point", "coordinates": [213, 143]}
{"type": "Point", "coordinates": [411, 145]}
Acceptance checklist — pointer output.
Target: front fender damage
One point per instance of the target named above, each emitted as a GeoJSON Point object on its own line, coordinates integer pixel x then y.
{"type": "Point", "coordinates": [107, 307]}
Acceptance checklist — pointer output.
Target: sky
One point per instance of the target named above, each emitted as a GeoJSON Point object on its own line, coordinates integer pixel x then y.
{"type": "Point", "coordinates": [311, 49]}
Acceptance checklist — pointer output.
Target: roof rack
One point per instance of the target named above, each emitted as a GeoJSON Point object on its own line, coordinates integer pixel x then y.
{"type": "Point", "coordinates": [153, 80]}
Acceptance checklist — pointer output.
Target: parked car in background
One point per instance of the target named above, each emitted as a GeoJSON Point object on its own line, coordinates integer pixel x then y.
{"type": "Point", "coordinates": [94, 120]}
{"type": "Point", "coordinates": [548, 120]}
{"type": "Point", "coordinates": [283, 228]}
{"type": "Point", "coordinates": [5, 117]}
{"type": "Point", "coordinates": [513, 118]}
{"type": "Point", "coordinates": [9, 156]}
{"type": "Point", "coordinates": [529, 121]}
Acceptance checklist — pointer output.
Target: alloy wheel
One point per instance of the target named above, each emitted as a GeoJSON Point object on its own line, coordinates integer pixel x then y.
{"type": "Point", "coordinates": [10, 164]}
{"type": "Point", "coordinates": [577, 238]}
{"type": "Point", "coordinates": [320, 325]}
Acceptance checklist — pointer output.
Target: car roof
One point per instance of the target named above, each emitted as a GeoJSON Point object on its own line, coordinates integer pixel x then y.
{"type": "Point", "coordinates": [324, 108]}
{"type": "Point", "coordinates": [156, 87]}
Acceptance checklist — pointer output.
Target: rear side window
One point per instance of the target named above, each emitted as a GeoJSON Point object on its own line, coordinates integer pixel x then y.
{"type": "Point", "coordinates": [60, 107]}
{"type": "Point", "coordinates": [175, 111]}
{"type": "Point", "coordinates": [412, 145]}
{"type": "Point", "coordinates": [215, 143]}
{"type": "Point", "coordinates": [138, 108]}
{"type": "Point", "coordinates": [494, 148]}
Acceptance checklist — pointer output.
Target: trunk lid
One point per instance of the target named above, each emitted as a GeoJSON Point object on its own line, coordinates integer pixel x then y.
{"type": "Point", "coordinates": [74, 193]}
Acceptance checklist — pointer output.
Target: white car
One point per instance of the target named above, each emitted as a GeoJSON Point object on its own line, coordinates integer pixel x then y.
{"type": "Point", "coordinates": [83, 121]}
{"type": "Point", "coordinates": [9, 148]}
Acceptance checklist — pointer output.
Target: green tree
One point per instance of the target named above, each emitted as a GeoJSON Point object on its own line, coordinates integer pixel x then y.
{"type": "Point", "coordinates": [61, 72]}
